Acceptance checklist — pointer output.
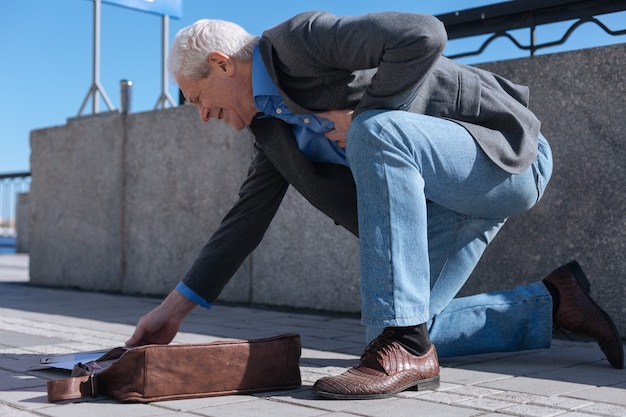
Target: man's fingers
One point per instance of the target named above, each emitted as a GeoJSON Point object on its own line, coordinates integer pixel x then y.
{"type": "Point", "coordinates": [133, 341]}
{"type": "Point", "coordinates": [137, 335]}
{"type": "Point", "coordinates": [333, 135]}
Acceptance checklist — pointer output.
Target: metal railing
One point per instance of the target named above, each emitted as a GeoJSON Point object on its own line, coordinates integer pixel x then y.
{"type": "Point", "coordinates": [11, 185]}
{"type": "Point", "coordinates": [499, 19]}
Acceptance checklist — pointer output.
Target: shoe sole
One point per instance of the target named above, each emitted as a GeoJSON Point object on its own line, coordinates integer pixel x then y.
{"type": "Point", "coordinates": [426, 384]}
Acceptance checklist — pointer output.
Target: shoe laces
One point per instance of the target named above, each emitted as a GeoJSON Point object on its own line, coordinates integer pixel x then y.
{"type": "Point", "coordinates": [373, 354]}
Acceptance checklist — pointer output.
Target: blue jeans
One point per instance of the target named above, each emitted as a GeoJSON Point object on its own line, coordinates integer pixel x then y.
{"type": "Point", "coordinates": [429, 203]}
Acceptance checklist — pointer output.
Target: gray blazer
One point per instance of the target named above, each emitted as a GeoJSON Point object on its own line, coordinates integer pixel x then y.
{"type": "Point", "coordinates": [382, 60]}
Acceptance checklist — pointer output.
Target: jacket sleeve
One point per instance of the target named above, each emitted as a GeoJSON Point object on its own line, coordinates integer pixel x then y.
{"type": "Point", "coordinates": [240, 231]}
{"type": "Point", "coordinates": [403, 47]}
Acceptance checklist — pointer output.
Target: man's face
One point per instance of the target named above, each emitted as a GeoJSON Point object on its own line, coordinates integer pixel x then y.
{"type": "Point", "coordinates": [220, 95]}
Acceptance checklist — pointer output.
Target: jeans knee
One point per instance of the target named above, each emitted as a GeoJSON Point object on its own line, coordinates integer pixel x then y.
{"type": "Point", "coordinates": [364, 134]}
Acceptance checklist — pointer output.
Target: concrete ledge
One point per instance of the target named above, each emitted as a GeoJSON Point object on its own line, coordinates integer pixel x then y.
{"type": "Point", "coordinates": [76, 204]}
{"type": "Point", "coordinates": [580, 96]}
{"type": "Point", "coordinates": [181, 176]}
{"type": "Point", "coordinates": [124, 203]}
{"type": "Point", "coordinates": [305, 260]}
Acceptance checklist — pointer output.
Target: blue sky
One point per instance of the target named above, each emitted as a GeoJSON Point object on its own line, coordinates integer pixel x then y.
{"type": "Point", "coordinates": [46, 52]}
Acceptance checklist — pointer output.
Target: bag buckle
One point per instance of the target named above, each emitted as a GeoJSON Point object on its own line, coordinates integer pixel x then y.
{"type": "Point", "coordinates": [83, 369]}
{"type": "Point", "coordinates": [92, 384]}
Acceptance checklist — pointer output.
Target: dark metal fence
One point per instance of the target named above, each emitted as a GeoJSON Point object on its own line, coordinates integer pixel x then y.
{"type": "Point", "coordinates": [11, 185]}
{"type": "Point", "coordinates": [502, 18]}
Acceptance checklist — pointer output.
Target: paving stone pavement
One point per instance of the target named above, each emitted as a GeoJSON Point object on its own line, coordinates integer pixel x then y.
{"type": "Point", "coordinates": [572, 378]}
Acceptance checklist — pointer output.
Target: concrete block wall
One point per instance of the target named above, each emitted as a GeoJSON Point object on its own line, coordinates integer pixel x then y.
{"type": "Point", "coordinates": [76, 204]}
{"type": "Point", "coordinates": [181, 177]}
{"type": "Point", "coordinates": [580, 96]}
{"type": "Point", "coordinates": [124, 203]}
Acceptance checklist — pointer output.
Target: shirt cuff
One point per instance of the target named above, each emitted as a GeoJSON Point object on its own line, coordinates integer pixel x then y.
{"type": "Point", "coordinates": [191, 295]}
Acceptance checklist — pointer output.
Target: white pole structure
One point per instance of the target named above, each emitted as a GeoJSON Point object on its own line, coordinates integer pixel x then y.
{"type": "Point", "coordinates": [95, 86]}
{"type": "Point", "coordinates": [165, 97]}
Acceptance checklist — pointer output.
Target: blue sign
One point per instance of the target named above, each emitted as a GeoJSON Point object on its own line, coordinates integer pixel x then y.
{"type": "Point", "coordinates": [172, 8]}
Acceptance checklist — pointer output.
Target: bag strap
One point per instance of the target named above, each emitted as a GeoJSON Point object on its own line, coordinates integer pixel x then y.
{"type": "Point", "coordinates": [72, 388]}
{"type": "Point", "coordinates": [83, 381]}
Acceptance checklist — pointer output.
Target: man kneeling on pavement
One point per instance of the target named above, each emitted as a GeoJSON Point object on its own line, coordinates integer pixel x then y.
{"type": "Point", "coordinates": [422, 158]}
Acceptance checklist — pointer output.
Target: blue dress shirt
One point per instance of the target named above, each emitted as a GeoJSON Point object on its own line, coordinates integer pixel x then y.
{"type": "Point", "coordinates": [308, 129]}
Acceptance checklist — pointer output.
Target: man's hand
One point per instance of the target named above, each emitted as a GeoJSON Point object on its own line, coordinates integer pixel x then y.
{"type": "Point", "coordinates": [342, 120]}
{"type": "Point", "coordinates": [160, 325]}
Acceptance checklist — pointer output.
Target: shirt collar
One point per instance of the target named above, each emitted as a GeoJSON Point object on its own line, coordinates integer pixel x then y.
{"type": "Point", "coordinates": [262, 83]}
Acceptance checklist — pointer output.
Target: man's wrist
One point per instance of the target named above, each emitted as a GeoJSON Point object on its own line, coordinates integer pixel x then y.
{"type": "Point", "coordinates": [192, 296]}
{"type": "Point", "coordinates": [177, 305]}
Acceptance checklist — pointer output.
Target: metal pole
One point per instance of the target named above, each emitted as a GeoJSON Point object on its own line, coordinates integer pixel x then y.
{"type": "Point", "coordinates": [165, 97]}
{"type": "Point", "coordinates": [165, 34]}
{"type": "Point", "coordinates": [95, 86]}
{"type": "Point", "coordinates": [126, 96]}
{"type": "Point", "coordinates": [533, 36]}
{"type": "Point", "coordinates": [97, 7]}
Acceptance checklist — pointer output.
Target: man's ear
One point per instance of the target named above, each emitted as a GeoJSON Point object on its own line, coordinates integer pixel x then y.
{"type": "Point", "coordinates": [220, 63]}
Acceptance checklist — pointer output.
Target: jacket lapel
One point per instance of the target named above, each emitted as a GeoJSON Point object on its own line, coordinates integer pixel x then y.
{"type": "Point", "coordinates": [329, 187]}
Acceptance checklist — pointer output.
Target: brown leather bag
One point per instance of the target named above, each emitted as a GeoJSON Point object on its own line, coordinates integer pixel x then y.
{"type": "Point", "coordinates": [167, 372]}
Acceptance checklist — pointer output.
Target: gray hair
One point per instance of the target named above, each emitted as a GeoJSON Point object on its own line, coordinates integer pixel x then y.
{"type": "Point", "coordinates": [192, 45]}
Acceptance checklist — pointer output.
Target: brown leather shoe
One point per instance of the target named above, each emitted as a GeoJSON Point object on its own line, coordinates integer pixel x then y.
{"type": "Point", "coordinates": [578, 313]}
{"type": "Point", "coordinates": [386, 368]}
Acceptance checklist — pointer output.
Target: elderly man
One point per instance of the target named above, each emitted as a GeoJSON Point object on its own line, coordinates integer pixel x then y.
{"type": "Point", "coordinates": [421, 157]}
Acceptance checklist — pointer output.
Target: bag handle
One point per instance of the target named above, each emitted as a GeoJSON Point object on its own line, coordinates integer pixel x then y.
{"type": "Point", "coordinates": [84, 379]}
